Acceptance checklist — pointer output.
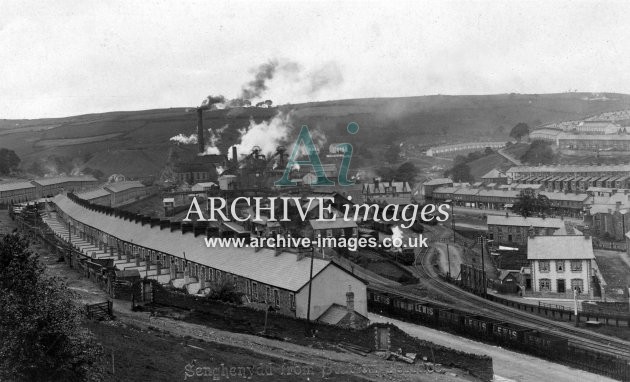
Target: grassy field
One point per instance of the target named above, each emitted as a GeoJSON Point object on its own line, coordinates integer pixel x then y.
{"type": "Point", "coordinates": [614, 269]}
{"type": "Point", "coordinates": [135, 355]}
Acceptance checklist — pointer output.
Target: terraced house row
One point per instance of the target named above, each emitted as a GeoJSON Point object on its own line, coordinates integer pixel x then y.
{"type": "Point", "coordinates": [172, 254]}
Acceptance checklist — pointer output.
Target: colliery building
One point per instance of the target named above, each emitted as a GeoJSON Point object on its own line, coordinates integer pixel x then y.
{"type": "Point", "coordinates": [201, 168]}
{"type": "Point", "coordinates": [24, 191]}
{"type": "Point", "coordinates": [177, 254]}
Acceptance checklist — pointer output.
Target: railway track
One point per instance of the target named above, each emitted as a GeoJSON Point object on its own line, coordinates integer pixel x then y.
{"type": "Point", "coordinates": [467, 301]}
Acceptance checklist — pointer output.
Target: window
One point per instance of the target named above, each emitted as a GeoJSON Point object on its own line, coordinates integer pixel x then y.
{"type": "Point", "coordinates": [292, 300]}
{"type": "Point", "coordinates": [254, 291]}
{"type": "Point", "coordinates": [576, 265]}
{"type": "Point", "coordinates": [559, 265]}
{"type": "Point", "coordinates": [276, 298]}
{"type": "Point", "coordinates": [267, 295]}
{"type": "Point", "coordinates": [543, 266]}
{"type": "Point", "coordinates": [577, 284]}
{"type": "Point", "coordinates": [235, 279]}
{"type": "Point", "coordinates": [248, 288]}
{"type": "Point", "coordinates": [544, 284]}
{"type": "Point", "coordinates": [218, 276]}
{"type": "Point", "coordinates": [329, 233]}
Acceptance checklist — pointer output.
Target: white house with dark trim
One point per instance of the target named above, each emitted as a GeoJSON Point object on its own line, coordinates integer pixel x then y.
{"type": "Point", "coordinates": [560, 264]}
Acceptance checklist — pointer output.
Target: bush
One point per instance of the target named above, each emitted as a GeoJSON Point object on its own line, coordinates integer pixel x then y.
{"type": "Point", "coordinates": [225, 291]}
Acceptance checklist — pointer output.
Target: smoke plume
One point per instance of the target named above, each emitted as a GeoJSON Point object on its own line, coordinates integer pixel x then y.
{"type": "Point", "coordinates": [267, 135]}
{"type": "Point", "coordinates": [181, 138]}
{"type": "Point", "coordinates": [213, 102]}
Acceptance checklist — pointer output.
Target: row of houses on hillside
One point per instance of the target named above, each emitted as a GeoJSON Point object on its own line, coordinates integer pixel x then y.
{"type": "Point", "coordinates": [20, 191]}
{"type": "Point", "coordinates": [267, 277]}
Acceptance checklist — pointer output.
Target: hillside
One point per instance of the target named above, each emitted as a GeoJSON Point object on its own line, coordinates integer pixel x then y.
{"type": "Point", "coordinates": [137, 142]}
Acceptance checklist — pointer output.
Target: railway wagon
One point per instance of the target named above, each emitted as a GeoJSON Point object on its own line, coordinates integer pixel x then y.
{"type": "Point", "coordinates": [544, 343]}
{"type": "Point", "coordinates": [479, 326]}
{"type": "Point", "coordinates": [507, 332]}
{"type": "Point", "coordinates": [451, 317]}
{"type": "Point", "coordinates": [428, 312]}
{"type": "Point", "coordinates": [405, 305]}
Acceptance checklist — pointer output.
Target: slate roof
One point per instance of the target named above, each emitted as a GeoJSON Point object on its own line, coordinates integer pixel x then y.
{"type": "Point", "coordinates": [15, 186]}
{"type": "Point", "coordinates": [64, 179]}
{"type": "Point", "coordinates": [520, 221]}
{"type": "Point", "coordinates": [435, 182]}
{"type": "Point", "coordinates": [93, 194]}
{"type": "Point", "coordinates": [123, 186]}
{"type": "Point", "coordinates": [282, 271]}
{"type": "Point", "coordinates": [560, 248]}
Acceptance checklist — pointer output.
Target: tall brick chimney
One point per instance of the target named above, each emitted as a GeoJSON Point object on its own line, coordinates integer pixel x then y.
{"type": "Point", "coordinates": [200, 138]}
{"type": "Point", "coordinates": [234, 155]}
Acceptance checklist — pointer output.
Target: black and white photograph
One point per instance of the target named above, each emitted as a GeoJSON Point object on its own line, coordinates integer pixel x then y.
{"type": "Point", "coordinates": [347, 191]}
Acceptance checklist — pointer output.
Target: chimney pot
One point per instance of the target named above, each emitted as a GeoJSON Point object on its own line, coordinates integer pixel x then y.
{"type": "Point", "coordinates": [350, 299]}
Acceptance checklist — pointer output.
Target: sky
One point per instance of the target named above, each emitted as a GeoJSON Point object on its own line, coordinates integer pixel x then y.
{"type": "Point", "coordinates": [62, 58]}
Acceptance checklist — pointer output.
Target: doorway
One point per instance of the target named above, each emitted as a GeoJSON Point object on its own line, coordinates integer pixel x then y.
{"type": "Point", "coordinates": [561, 287]}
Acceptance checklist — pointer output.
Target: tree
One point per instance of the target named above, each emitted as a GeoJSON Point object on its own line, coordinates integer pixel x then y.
{"type": "Point", "coordinates": [40, 324]}
{"type": "Point", "coordinates": [9, 161]}
{"type": "Point", "coordinates": [530, 204]}
{"type": "Point", "coordinates": [460, 173]}
{"type": "Point", "coordinates": [539, 152]}
{"type": "Point", "coordinates": [407, 172]}
{"type": "Point", "coordinates": [519, 131]}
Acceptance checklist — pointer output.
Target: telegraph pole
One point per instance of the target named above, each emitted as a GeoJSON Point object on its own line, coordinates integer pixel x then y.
{"type": "Point", "coordinates": [448, 254]}
{"type": "Point", "coordinates": [452, 203]}
{"type": "Point", "coordinates": [482, 241]}
{"type": "Point", "coordinates": [310, 283]}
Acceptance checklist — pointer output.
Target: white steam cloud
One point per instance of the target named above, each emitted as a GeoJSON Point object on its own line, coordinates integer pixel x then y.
{"type": "Point", "coordinates": [267, 135]}
{"type": "Point", "coordinates": [397, 233]}
{"type": "Point", "coordinates": [181, 138]}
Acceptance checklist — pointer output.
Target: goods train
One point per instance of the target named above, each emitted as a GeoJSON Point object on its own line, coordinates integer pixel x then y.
{"type": "Point", "coordinates": [473, 325]}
